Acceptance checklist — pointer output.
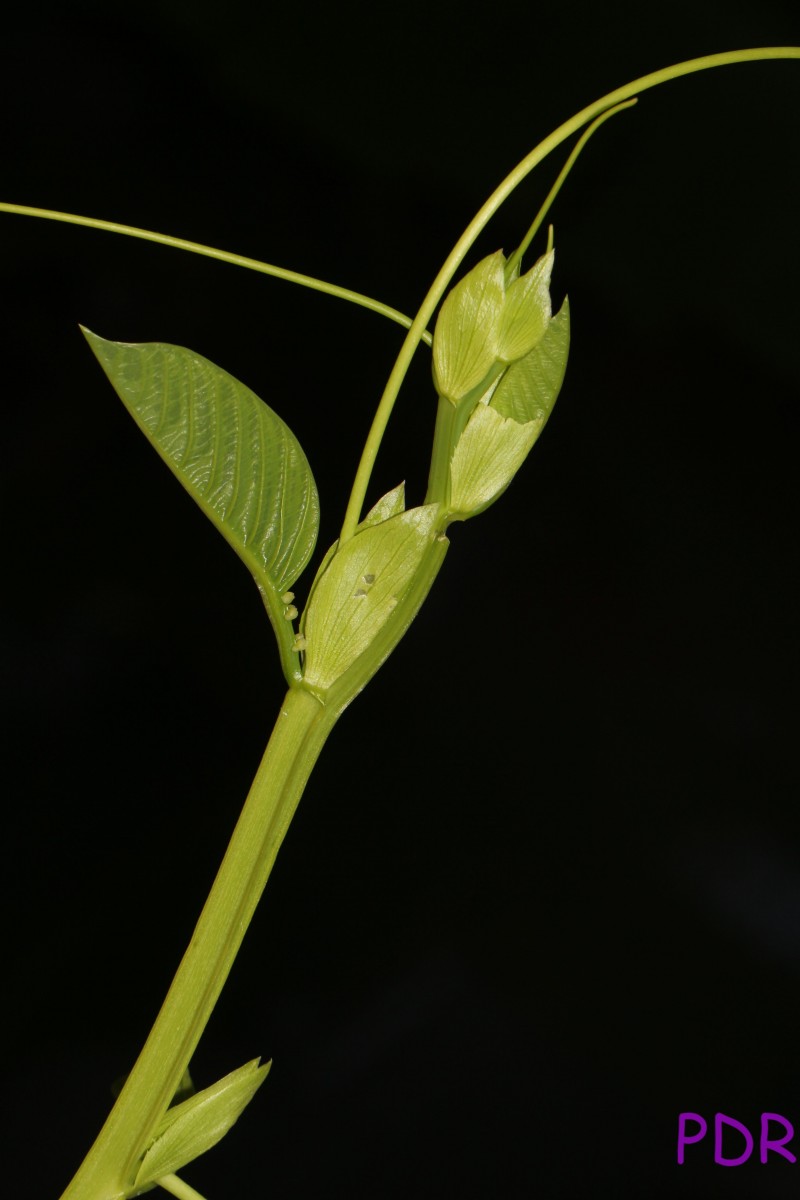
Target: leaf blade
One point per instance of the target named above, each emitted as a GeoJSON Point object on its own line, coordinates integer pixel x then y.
{"type": "Point", "coordinates": [237, 459]}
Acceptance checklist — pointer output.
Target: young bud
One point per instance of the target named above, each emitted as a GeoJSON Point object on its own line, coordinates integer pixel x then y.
{"type": "Point", "coordinates": [506, 422]}
{"type": "Point", "coordinates": [485, 321]}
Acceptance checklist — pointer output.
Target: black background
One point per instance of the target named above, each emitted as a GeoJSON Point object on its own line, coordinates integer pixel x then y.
{"type": "Point", "coordinates": [543, 891]}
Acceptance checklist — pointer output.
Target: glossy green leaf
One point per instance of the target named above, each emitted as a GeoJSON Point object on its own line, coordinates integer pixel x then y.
{"type": "Point", "coordinates": [233, 454]}
{"type": "Point", "coordinates": [359, 590]}
{"type": "Point", "coordinates": [189, 1129]}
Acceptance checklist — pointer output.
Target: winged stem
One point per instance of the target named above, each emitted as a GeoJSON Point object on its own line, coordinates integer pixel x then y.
{"type": "Point", "coordinates": [300, 732]}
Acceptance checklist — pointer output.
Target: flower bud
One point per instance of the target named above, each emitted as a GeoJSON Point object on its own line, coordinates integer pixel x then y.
{"type": "Point", "coordinates": [486, 321]}
{"type": "Point", "coordinates": [507, 420]}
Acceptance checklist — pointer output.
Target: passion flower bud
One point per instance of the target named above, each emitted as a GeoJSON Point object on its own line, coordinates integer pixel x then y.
{"type": "Point", "coordinates": [505, 423]}
{"type": "Point", "coordinates": [485, 322]}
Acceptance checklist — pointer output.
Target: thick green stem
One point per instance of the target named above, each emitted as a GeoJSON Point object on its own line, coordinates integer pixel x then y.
{"type": "Point", "coordinates": [302, 727]}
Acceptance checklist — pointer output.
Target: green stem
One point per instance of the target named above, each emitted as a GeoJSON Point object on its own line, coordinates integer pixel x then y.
{"type": "Point", "coordinates": [303, 725]}
{"type": "Point", "coordinates": [451, 420]}
{"type": "Point", "coordinates": [444, 440]}
{"type": "Point", "coordinates": [177, 1187]}
{"type": "Point", "coordinates": [300, 732]}
{"type": "Point", "coordinates": [238, 260]}
{"type": "Point", "coordinates": [481, 220]}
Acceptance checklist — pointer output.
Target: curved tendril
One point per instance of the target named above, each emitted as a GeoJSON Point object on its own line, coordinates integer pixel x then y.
{"type": "Point", "coordinates": [238, 260]}
{"type": "Point", "coordinates": [516, 258]}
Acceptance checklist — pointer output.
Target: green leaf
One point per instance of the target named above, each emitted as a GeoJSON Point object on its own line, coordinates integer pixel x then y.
{"type": "Point", "coordinates": [233, 454]}
{"type": "Point", "coordinates": [359, 590]}
{"type": "Point", "coordinates": [189, 1129]}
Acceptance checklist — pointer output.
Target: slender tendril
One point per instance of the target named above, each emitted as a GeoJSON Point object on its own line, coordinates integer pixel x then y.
{"type": "Point", "coordinates": [516, 258]}
{"type": "Point", "coordinates": [238, 260]}
{"type": "Point", "coordinates": [481, 220]}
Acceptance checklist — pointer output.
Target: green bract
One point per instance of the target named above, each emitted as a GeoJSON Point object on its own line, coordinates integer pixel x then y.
{"type": "Point", "coordinates": [529, 388]}
{"type": "Point", "coordinates": [362, 586]}
{"type": "Point", "coordinates": [506, 422]}
{"type": "Point", "coordinates": [465, 337]}
{"type": "Point", "coordinates": [486, 320]}
{"type": "Point", "coordinates": [526, 311]}
{"type": "Point", "coordinates": [188, 1129]}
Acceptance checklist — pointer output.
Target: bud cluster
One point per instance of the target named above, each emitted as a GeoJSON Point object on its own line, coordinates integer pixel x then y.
{"type": "Point", "coordinates": [499, 357]}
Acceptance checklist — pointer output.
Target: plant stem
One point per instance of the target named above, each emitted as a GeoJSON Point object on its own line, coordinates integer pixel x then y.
{"type": "Point", "coordinates": [300, 732]}
{"type": "Point", "coordinates": [177, 1187]}
{"type": "Point", "coordinates": [238, 260]}
{"type": "Point", "coordinates": [304, 723]}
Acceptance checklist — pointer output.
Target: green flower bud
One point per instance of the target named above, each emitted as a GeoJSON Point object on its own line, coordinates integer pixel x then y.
{"type": "Point", "coordinates": [507, 420]}
{"type": "Point", "coordinates": [486, 321]}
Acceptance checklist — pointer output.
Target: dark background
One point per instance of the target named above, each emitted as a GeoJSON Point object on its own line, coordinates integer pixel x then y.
{"type": "Point", "coordinates": [543, 891]}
